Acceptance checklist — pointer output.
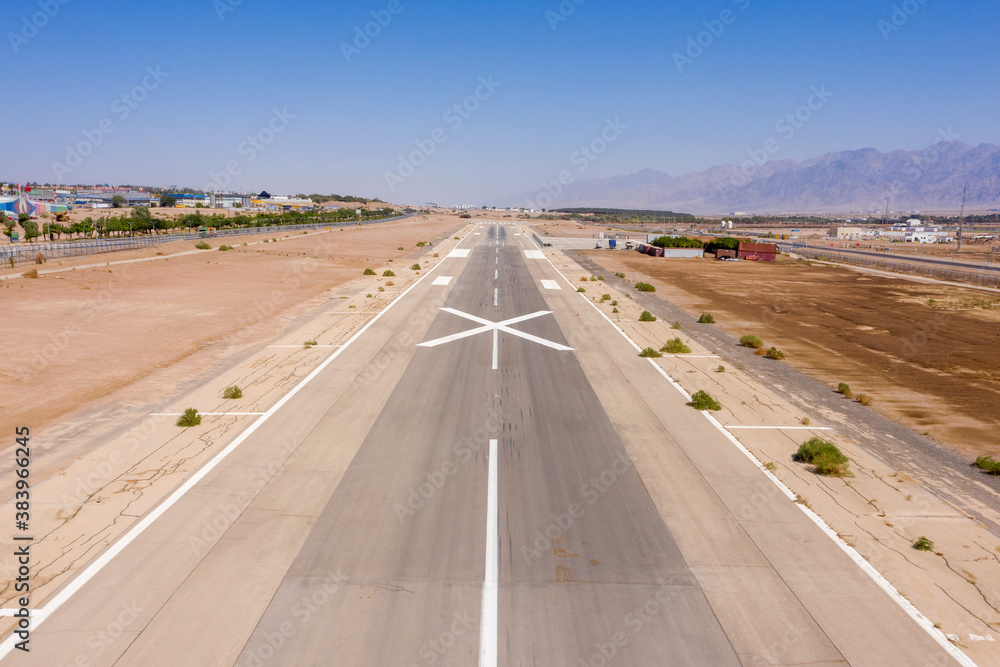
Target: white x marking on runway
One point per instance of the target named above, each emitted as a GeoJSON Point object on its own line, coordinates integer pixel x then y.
{"type": "Point", "coordinates": [496, 327]}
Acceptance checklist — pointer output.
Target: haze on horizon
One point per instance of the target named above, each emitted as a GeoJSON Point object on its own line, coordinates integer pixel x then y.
{"type": "Point", "coordinates": [484, 101]}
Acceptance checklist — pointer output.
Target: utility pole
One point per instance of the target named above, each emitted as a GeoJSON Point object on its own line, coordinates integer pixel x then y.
{"type": "Point", "coordinates": [961, 218]}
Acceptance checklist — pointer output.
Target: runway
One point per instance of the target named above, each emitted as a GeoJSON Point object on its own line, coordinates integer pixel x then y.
{"type": "Point", "coordinates": [487, 476]}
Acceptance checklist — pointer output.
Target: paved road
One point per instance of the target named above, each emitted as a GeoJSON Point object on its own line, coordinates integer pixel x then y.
{"type": "Point", "coordinates": [456, 492]}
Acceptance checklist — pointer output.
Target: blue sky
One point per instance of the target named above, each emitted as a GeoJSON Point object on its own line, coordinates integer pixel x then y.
{"type": "Point", "coordinates": [229, 70]}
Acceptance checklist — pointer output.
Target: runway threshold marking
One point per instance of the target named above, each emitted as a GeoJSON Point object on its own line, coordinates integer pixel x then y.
{"type": "Point", "coordinates": [490, 616]}
{"type": "Point", "coordinates": [92, 570]}
{"type": "Point", "coordinates": [459, 253]}
{"type": "Point", "coordinates": [908, 607]}
{"type": "Point", "coordinates": [442, 281]}
{"type": "Point", "coordinates": [551, 284]}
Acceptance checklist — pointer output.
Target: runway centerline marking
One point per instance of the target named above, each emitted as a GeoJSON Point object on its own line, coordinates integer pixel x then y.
{"type": "Point", "coordinates": [489, 617]}
{"type": "Point", "coordinates": [496, 328]}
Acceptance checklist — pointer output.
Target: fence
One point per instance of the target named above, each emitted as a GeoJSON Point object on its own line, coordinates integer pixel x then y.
{"type": "Point", "coordinates": [897, 266]}
{"type": "Point", "coordinates": [23, 253]}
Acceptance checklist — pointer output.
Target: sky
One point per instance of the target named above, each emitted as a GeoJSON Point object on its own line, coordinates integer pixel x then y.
{"type": "Point", "coordinates": [477, 102]}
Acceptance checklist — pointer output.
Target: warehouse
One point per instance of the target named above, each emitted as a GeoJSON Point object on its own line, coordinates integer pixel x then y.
{"type": "Point", "coordinates": [757, 252]}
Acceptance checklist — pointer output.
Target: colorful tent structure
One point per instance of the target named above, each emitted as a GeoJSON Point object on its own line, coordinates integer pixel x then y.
{"type": "Point", "coordinates": [21, 204]}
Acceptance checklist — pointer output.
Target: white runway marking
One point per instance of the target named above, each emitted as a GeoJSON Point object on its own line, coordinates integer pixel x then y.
{"type": "Point", "coordinates": [534, 254]}
{"type": "Point", "coordinates": [496, 327]}
{"type": "Point", "coordinates": [496, 274]}
{"type": "Point", "coordinates": [489, 618]}
{"type": "Point", "coordinates": [496, 295]}
{"type": "Point", "coordinates": [782, 428]}
{"type": "Point", "coordinates": [442, 281]}
{"type": "Point", "coordinates": [550, 284]}
{"type": "Point", "coordinates": [460, 253]}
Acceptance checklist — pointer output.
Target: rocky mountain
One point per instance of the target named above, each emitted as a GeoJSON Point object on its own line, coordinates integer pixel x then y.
{"type": "Point", "coordinates": [848, 181]}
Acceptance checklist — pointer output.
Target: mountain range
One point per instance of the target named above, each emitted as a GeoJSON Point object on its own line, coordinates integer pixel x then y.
{"type": "Point", "coordinates": [849, 181]}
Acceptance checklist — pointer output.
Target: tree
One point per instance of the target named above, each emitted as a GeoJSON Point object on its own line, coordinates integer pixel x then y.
{"type": "Point", "coordinates": [30, 227]}
{"type": "Point", "coordinates": [117, 201]}
{"type": "Point", "coordinates": [168, 201]}
{"type": "Point", "coordinates": [8, 224]}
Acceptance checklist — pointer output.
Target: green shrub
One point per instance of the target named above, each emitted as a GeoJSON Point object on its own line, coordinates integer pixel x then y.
{"type": "Point", "coordinates": [605, 297]}
{"type": "Point", "coordinates": [388, 274]}
{"type": "Point", "coordinates": [720, 369]}
{"type": "Point", "coordinates": [203, 246]}
{"type": "Point", "coordinates": [702, 400]}
{"type": "Point", "coordinates": [310, 343]}
{"type": "Point", "coordinates": [675, 325]}
{"type": "Point", "coordinates": [580, 289]}
{"type": "Point", "coordinates": [647, 316]}
{"type": "Point", "coordinates": [421, 244]}
{"type": "Point", "coordinates": [751, 341]}
{"type": "Point", "coordinates": [645, 287]}
{"type": "Point", "coordinates": [988, 464]}
{"type": "Point", "coordinates": [189, 418]}
{"type": "Point", "coordinates": [923, 544]}
{"type": "Point", "coordinates": [676, 242]}
{"type": "Point", "coordinates": [381, 289]}
{"type": "Point", "coordinates": [225, 248]}
{"type": "Point", "coordinates": [676, 346]}
{"type": "Point", "coordinates": [593, 279]}
{"type": "Point", "coordinates": [400, 248]}
{"type": "Point", "coordinates": [775, 353]}
{"type": "Point", "coordinates": [232, 392]}
{"type": "Point", "coordinates": [614, 303]}
{"type": "Point", "coordinates": [620, 275]}
{"type": "Point", "coordinates": [614, 312]}
{"type": "Point", "coordinates": [706, 318]}
{"type": "Point", "coordinates": [650, 353]}
{"type": "Point", "coordinates": [865, 399]}
{"type": "Point", "coordinates": [844, 388]}
{"type": "Point", "coordinates": [369, 272]}
{"type": "Point", "coordinates": [825, 457]}
{"type": "Point", "coordinates": [369, 296]}
{"type": "Point", "coordinates": [415, 267]}
{"type": "Point", "coordinates": [600, 278]}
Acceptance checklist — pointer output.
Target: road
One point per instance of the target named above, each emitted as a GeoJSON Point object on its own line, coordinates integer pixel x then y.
{"type": "Point", "coordinates": [915, 259]}
{"type": "Point", "coordinates": [488, 476]}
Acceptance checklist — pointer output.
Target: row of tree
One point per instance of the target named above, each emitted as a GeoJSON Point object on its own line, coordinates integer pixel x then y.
{"type": "Point", "coordinates": [141, 221]}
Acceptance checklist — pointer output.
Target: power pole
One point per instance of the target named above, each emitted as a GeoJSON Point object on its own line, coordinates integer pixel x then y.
{"type": "Point", "coordinates": [961, 218]}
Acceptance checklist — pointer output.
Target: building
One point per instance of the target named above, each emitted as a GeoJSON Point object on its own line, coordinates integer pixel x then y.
{"type": "Point", "coordinates": [757, 252]}
{"type": "Point", "coordinates": [188, 200]}
{"type": "Point", "coordinates": [229, 200]}
{"type": "Point", "coordinates": [281, 203]}
{"type": "Point", "coordinates": [464, 207]}
{"type": "Point", "coordinates": [852, 233]}
{"type": "Point", "coordinates": [104, 198]}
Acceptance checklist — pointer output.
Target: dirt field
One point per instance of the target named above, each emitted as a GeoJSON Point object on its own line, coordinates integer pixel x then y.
{"type": "Point", "coordinates": [78, 336]}
{"type": "Point", "coordinates": [928, 354]}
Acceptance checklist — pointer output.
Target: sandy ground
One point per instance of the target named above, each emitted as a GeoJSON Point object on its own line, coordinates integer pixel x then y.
{"type": "Point", "coordinates": [78, 336]}
{"type": "Point", "coordinates": [927, 353]}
